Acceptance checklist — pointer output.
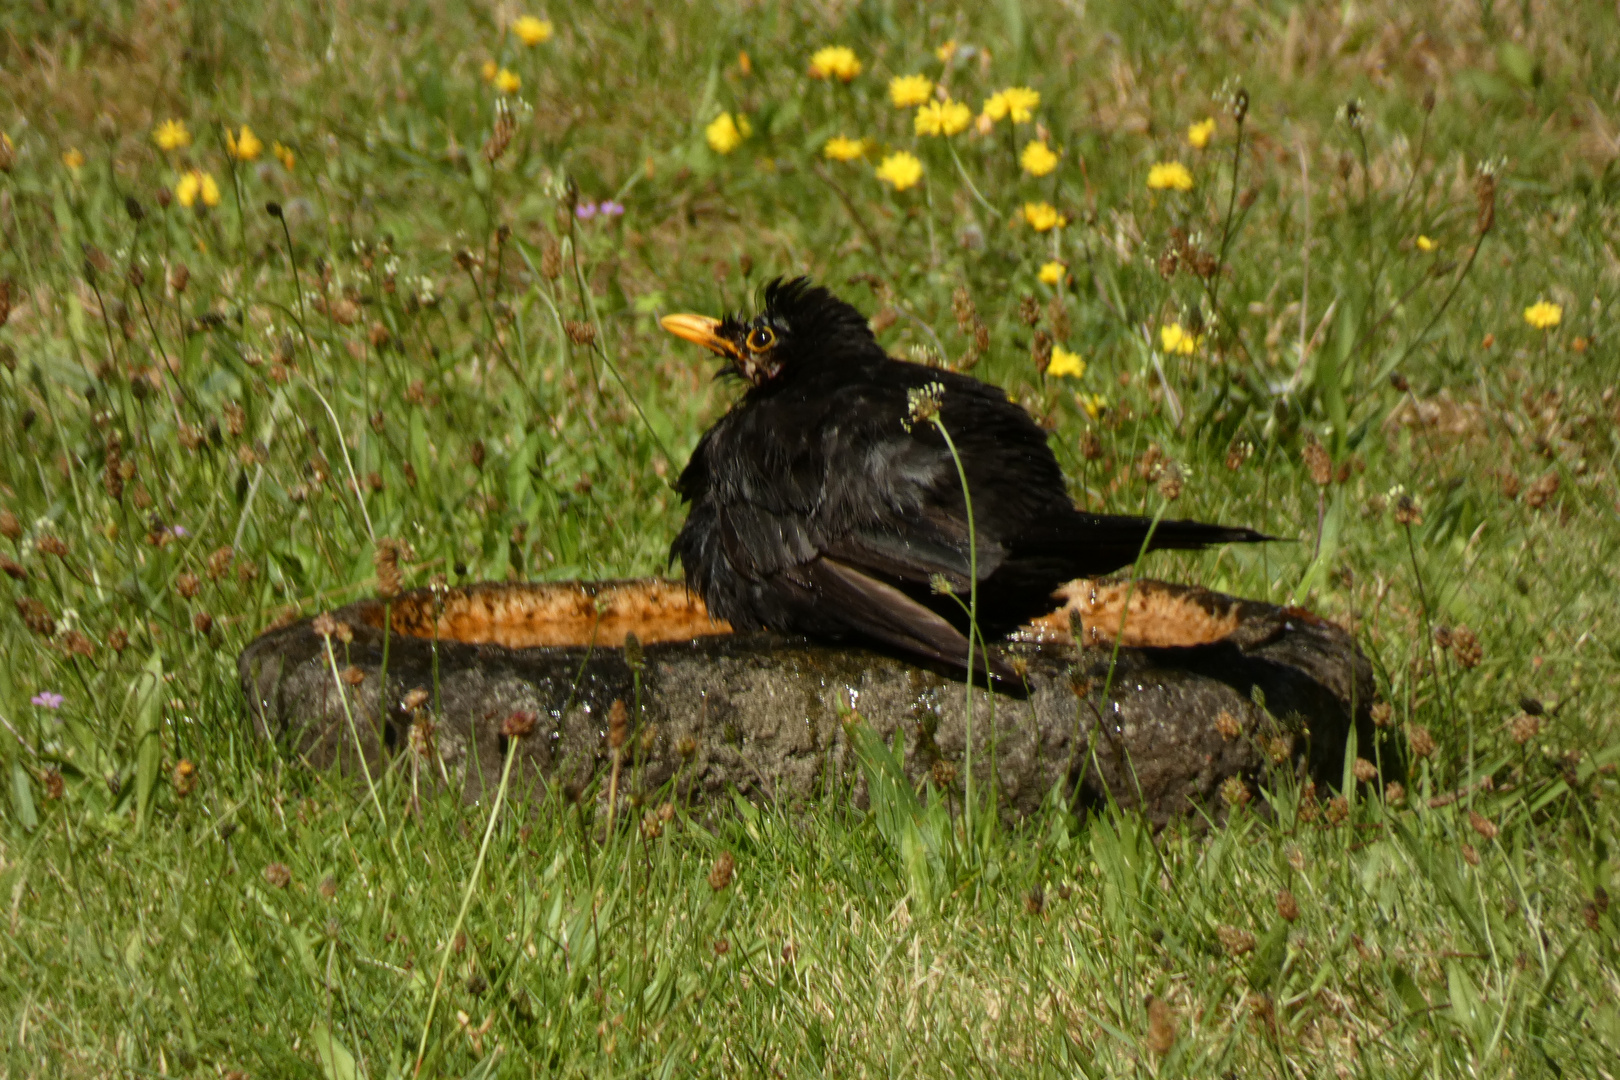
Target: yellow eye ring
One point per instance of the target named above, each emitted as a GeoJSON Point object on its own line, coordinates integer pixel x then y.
{"type": "Point", "coordinates": [761, 338]}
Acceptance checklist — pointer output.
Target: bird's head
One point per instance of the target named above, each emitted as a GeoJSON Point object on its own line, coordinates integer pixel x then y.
{"type": "Point", "coordinates": [801, 323]}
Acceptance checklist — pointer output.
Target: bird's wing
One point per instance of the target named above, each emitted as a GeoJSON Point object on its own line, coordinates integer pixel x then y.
{"type": "Point", "coordinates": [884, 613]}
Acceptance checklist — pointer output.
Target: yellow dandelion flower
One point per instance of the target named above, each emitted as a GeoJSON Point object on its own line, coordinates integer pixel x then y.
{"type": "Point", "coordinates": [723, 134]}
{"type": "Point", "coordinates": [210, 190]}
{"type": "Point", "coordinates": [1199, 134]}
{"type": "Point", "coordinates": [901, 170]}
{"type": "Point", "coordinates": [842, 148]}
{"type": "Point", "coordinates": [488, 70]}
{"type": "Point", "coordinates": [1543, 315]}
{"type": "Point", "coordinates": [1038, 159]}
{"type": "Point", "coordinates": [947, 51]}
{"type": "Point", "coordinates": [1424, 244]}
{"type": "Point", "coordinates": [1171, 175]}
{"type": "Point", "coordinates": [943, 118]}
{"type": "Point", "coordinates": [1093, 404]}
{"type": "Point", "coordinates": [1176, 339]}
{"type": "Point", "coordinates": [532, 31]}
{"type": "Point", "coordinates": [283, 155]}
{"type": "Point", "coordinates": [188, 188]}
{"type": "Point", "coordinates": [1016, 103]}
{"type": "Point", "coordinates": [1043, 216]}
{"type": "Point", "coordinates": [1066, 364]}
{"type": "Point", "coordinates": [172, 135]}
{"type": "Point", "coordinates": [73, 159]}
{"type": "Point", "coordinates": [507, 81]}
{"type": "Point", "coordinates": [244, 147]}
{"type": "Point", "coordinates": [909, 91]}
{"type": "Point", "coordinates": [1052, 273]}
{"type": "Point", "coordinates": [835, 61]}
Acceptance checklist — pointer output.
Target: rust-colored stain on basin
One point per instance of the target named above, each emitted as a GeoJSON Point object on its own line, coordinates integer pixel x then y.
{"type": "Point", "coordinates": [524, 616]}
{"type": "Point", "coordinates": [1154, 614]}
{"type": "Point", "coordinates": [1146, 614]}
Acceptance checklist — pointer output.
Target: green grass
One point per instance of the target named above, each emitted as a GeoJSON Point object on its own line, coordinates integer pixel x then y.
{"type": "Point", "coordinates": [182, 443]}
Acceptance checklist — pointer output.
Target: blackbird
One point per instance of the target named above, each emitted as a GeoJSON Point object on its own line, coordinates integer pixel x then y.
{"type": "Point", "coordinates": [827, 503]}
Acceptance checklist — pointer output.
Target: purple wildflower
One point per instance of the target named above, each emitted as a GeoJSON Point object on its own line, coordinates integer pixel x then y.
{"type": "Point", "coordinates": [47, 699]}
{"type": "Point", "coordinates": [179, 530]}
{"type": "Point", "coordinates": [612, 209]}
{"type": "Point", "coordinates": [585, 211]}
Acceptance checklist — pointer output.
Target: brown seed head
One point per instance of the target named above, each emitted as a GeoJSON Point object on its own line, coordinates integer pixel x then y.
{"type": "Point", "coordinates": [580, 333]}
{"type": "Point", "coordinates": [187, 584]}
{"type": "Point", "coordinates": [1236, 942]}
{"type": "Point", "coordinates": [1228, 725]}
{"type": "Point", "coordinates": [12, 568]}
{"type": "Point", "coordinates": [77, 643]}
{"type": "Point", "coordinates": [1382, 713]}
{"type": "Point", "coordinates": [1485, 197]}
{"type": "Point", "coordinates": [324, 626]}
{"type": "Point", "coordinates": [385, 557]}
{"type": "Point", "coordinates": [414, 700]}
{"type": "Point", "coordinates": [686, 747]}
{"type": "Point", "coordinates": [475, 453]}
{"type": "Point", "coordinates": [1035, 901]}
{"type": "Point", "coordinates": [421, 738]}
{"type": "Point", "coordinates": [1235, 792]}
{"type": "Point", "coordinates": [117, 639]}
{"type": "Point", "coordinates": [1237, 453]}
{"type": "Point", "coordinates": [353, 675]}
{"type": "Point", "coordinates": [1287, 906]}
{"type": "Point", "coordinates": [1091, 447]}
{"type": "Point", "coordinates": [1170, 484]}
{"type": "Point", "coordinates": [54, 787]}
{"type": "Point", "coordinates": [963, 309]}
{"type": "Point", "coordinates": [1465, 648]}
{"type": "Point", "coordinates": [724, 867]}
{"type": "Point", "coordinates": [1318, 463]}
{"type": "Point", "coordinates": [179, 277]}
{"type": "Point", "coordinates": [721, 946]}
{"type": "Point", "coordinates": [1537, 494]}
{"type": "Point", "coordinates": [277, 875]}
{"type": "Point", "coordinates": [1420, 741]}
{"type": "Point", "coordinates": [184, 777]}
{"type": "Point", "coordinates": [10, 527]}
{"type": "Point", "coordinates": [1470, 853]}
{"type": "Point", "coordinates": [550, 257]}
{"type": "Point", "coordinates": [219, 562]}
{"type": "Point", "coordinates": [1394, 793]}
{"type": "Point", "coordinates": [36, 617]}
{"type": "Point", "coordinates": [1524, 727]}
{"type": "Point", "coordinates": [1161, 1033]}
{"type": "Point", "coordinates": [48, 544]}
{"type": "Point", "coordinates": [652, 826]}
{"type": "Point", "coordinates": [1365, 770]}
{"type": "Point", "coordinates": [1029, 311]}
{"type": "Point", "coordinates": [1483, 825]}
{"type": "Point", "coordinates": [519, 724]}
{"type": "Point", "coordinates": [1591, 916]}
{"type": "Point", "coordinates": [618, 724]}
{"type": "Point", "coordinates": [1040, 350]}
{"type": "Point", "coordinates": [943, 774]}
{"type": "Point", "coordinates": [1407, 511]}
{"type": "Point", "coordinates": [1336, 810]}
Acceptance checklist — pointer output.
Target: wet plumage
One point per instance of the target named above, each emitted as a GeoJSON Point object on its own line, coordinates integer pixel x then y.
{"type": "Point", "coordinates": [818, 506]}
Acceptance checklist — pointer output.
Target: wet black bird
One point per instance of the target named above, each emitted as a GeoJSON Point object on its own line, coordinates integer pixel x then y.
{"type": "Point", "coordinates": [825, 503]}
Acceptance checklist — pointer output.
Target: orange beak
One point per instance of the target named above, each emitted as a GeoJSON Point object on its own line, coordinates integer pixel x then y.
{"type": "Point", "coordinates": [700, 330]}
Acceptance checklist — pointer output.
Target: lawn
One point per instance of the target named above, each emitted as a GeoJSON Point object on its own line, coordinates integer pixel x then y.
{"type": "Point", "coordinates": [291, 287]}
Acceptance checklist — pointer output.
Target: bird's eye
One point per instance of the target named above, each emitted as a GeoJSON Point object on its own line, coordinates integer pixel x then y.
{"type": "Point", "coordinates": [761, 338]}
